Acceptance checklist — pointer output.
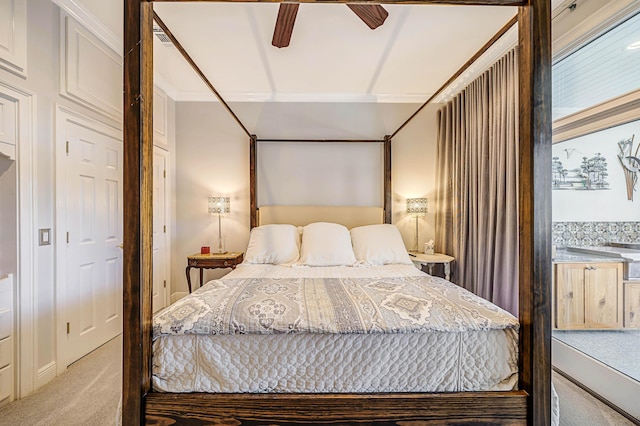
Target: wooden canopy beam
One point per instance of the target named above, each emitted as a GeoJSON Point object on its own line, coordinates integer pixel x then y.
{"type": "Point", "coordinates": [453, 2]}
{"type": "Point", "coordinates": [324, 140]}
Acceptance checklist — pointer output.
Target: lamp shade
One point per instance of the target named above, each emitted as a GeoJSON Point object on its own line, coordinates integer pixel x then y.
{"type": "Point", "coordinates": [219, 205]}
{"type": "Point", "coordinates": [417, 206]}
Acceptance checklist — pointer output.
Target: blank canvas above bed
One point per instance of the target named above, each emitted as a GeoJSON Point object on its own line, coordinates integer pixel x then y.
{"type": "Point", "coordinates": [320, 173]}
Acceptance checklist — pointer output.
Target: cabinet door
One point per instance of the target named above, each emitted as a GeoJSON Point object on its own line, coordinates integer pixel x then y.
{"type": "Point", "coordinates": [632, 305]}
{"type": "Point", "coordinates": [570, 296]}
{"type": "Point", "coordinates": [603, 301]}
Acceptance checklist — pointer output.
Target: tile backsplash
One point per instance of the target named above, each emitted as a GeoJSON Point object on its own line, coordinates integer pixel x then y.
{"type": "Point", "coordinates": [567, 234]}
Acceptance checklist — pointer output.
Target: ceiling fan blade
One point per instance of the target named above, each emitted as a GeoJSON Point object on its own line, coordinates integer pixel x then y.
{"type": "Point", "coordinates": [284, 25]}
{"type": "Point", "coordinates": [373, 15]}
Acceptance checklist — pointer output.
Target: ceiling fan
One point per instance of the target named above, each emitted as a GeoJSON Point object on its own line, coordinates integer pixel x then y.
{"type": "Point", "coordinates": [373, 15]}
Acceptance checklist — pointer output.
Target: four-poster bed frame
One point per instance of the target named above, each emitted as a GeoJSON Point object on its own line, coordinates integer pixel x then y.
{"type": "Point", "coordinates": [529, 405]}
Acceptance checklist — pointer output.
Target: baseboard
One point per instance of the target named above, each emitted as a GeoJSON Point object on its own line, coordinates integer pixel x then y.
{"type": "Point", "coordinates": [177, 296]}
{"type": "Point", "coordinates": [46, 374]}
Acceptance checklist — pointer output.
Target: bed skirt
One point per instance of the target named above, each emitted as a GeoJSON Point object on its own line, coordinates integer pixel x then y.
{"type": "Point", "coordinates": [333, 363]}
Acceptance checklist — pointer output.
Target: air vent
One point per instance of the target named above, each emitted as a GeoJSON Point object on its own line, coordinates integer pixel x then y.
{"type": "Point", "coordinates": [162, 36]}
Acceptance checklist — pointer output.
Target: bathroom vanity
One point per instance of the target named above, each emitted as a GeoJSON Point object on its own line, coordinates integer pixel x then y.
{"type": "Point", "coordinates": [596, 288]}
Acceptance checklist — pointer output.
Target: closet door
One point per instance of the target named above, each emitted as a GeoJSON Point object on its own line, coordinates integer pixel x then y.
{"type": "Point", "coordinates": [160, 255]}
{"type": "Point", "coordinates": [93, 237]}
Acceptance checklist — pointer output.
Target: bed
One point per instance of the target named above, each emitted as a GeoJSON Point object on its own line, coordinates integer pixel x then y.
{"type": "Point", "coordinates": [528, 403]}
{"type": "Point", "coordinates": [361, 320]}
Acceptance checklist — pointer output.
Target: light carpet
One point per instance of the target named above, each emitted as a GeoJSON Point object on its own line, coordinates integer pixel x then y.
{"type": "Point", "coordinates": [86, 394]}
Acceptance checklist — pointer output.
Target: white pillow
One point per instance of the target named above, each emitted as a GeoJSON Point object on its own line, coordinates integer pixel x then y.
{"type": "Point", "coordinates": [276, 244]}
{"type": "Point", "coordinates": [379, 245]}
{"type": "Point", "coordinates": [326, 244]}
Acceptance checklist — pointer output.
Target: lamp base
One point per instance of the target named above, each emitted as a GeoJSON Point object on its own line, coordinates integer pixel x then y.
{"type": "Point", "coordinates": [221, 247]}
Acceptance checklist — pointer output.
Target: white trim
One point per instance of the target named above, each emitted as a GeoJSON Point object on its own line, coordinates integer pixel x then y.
{"type": "Point", "coordinates": [25, 342]}
{"type": "Point", "coordinates": [617, 388]}
{"type": "Point", "coordinates": [63, 115]}
{"type": "Point", "coordinates": [46, 374]}
{"type": "Point", "coordinates": [91, 23]}
{"type": "Point", "coordinates": [614, 112]}
{"type": "Point", "coordinates": [71, 32]}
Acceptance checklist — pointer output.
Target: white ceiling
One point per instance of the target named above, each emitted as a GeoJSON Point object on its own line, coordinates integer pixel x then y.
{"type": "Point", "coordinates": [333, 56]}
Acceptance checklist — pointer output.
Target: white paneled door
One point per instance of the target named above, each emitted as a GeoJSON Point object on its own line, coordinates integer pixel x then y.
{"type": "Point", "coordinates": [93, 237]}
{"type": "Point", "coordinates": [160, 258]}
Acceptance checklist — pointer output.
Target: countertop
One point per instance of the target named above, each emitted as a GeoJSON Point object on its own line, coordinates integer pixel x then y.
{"type": "Point", "coordinates": [588, 255]}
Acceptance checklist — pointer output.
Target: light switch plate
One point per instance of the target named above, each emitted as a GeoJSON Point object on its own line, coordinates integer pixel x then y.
{"type": "Point", "coordinates": [45, 236]}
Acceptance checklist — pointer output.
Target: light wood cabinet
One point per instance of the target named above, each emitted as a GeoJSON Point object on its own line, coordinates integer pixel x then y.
{"type": "Point", "coordinates": [632, 304]}
{"type": "Point", "coordinates": [588, 295]}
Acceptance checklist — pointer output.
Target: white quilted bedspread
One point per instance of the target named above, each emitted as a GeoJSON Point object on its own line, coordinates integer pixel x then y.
{"type": "Point", "coordinates": [219, 339]}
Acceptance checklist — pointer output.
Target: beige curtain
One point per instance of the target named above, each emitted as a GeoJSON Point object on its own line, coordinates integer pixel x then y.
{"type": "Point", "coordinates": [477, 184]}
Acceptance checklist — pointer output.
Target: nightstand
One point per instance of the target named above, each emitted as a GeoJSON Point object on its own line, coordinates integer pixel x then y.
{"type": "Point", "coordinates": [420, 259]}
{"type": "Point", "coordinates": [212, 261]}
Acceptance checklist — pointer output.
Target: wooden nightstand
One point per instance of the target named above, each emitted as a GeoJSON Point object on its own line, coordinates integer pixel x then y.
{"type": "Point", "coordinates": [420, 259]}
{"type": "Point", "coordinates": [212, 261]}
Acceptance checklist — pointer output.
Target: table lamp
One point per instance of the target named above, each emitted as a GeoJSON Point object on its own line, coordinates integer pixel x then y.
{"type": "Point", "coordinates": [219, 206]}
{"type": "Point", "coordinates": [416, 207]}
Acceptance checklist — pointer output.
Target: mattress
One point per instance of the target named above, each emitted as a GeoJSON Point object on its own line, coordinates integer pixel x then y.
{"type": "Point", "coordinates": [362, 330]}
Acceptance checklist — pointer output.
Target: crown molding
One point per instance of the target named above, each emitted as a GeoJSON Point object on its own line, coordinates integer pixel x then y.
{"type": "Point", "coordinates": [92, 23]}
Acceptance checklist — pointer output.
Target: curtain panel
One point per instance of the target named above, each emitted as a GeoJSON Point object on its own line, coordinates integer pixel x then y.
{"type": "Point", "coordinates": [477, 184]}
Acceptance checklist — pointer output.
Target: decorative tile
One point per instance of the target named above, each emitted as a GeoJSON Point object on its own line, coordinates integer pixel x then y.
{"type": "Point", "coordinates": [594, 233]}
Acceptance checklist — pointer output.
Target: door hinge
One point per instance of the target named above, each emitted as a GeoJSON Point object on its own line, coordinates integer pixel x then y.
{"type": "Point", "coordinates": [165, 228]}
{"type": "Point", "coordinates": [67, 148]}
{"type": "Point", "coordinates": [164, 174]}
{"type": "Point", "coordinates": [68, 328]}
{"type": "Point", "coordinates": [67, 237]}
{"type": "Point", "coordinates": [165, 283]}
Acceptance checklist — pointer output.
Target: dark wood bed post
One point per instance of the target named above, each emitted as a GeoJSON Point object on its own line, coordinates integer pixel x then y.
{"type": "Point", "coordinates": [387, 180]}
{"type": "Point", "coordinates": [253, 180]}
{"type": "Point", "coordinates": [138, 220]}
{"type": "Point", "coordinates": [535, 208]}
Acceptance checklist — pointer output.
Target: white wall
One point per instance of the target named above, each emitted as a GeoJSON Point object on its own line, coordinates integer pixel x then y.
{"type": "Point", "coordinates": [607, 205]}
{"type": "Point", "coordinates": [414, 175]}
{"type": "Point", "coordinates": [212, 157]}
